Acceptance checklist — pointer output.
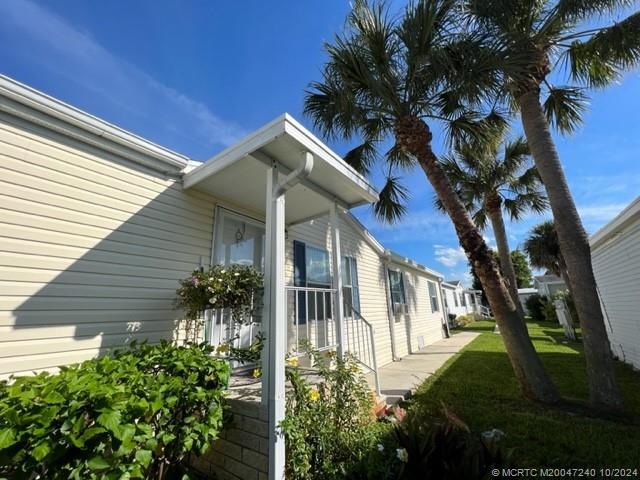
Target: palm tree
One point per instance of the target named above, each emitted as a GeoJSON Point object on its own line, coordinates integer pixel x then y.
{"type": "Point", "coordinates": [387, 79]}
{"type": "Point", "coordinates": [489, 181]}
{"type": "Point", "coordinates": [534, 39]}
{"type": "Point", "coordinates": [544, 251]}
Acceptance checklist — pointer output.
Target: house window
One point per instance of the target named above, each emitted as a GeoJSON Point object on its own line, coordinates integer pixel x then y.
{"type": "Point", "coordinates": [455, 299]}
{"type": "Point", "coordinates": [433, 296]}
{"type": "Point", "coordinates": [311, 270]}
{"type": "Point", "coordinates": [463, 300]}
{"type": "Point", "coordinates": [350, 290]}
{"type": "Point", "coordinates": [396, 285]}
{"type": "Point", "coordinates": [239, 240]}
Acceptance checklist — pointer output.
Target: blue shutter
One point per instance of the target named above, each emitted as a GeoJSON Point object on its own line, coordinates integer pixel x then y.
{"type": "Point", "coordinates": [354, 284]}
{"type": "Point", "coordinates": [300, 278]}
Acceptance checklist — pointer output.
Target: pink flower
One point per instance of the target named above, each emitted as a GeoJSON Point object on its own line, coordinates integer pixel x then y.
{"type": "Point", "coordinates": [195, 281]}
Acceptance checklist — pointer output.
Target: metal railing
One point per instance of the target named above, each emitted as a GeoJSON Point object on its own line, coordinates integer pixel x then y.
{"type": "Point", "coordinates": [310, 319]}
{"type": "Point", "coordinates": [360, 340]}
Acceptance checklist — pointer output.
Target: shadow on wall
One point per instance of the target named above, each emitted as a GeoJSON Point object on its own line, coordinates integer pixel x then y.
{"type": "Point", "coordinates": [95, 265]}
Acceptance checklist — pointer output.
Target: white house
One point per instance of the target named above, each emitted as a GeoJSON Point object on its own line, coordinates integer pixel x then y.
{"type": "Point", "coordinates": [524, 294]}
{"type": "Point", "coordinates": [615, 255]}
{"type": "Point", "coordinates": [459, 300]}
{"type": "Point", "coordinates": [97, 225]}
{"type": "Point", "coordinates": [548, 284]}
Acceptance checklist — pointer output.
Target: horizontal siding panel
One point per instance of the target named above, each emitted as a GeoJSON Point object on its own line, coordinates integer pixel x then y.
{"type": "Point", "coordinates": [41, 227]}
{"type": "Point", "coordinates": [114, 243]}
{"type": "Point", "coordinates": [616, 266]}
{"type": "Point", "coordinates": [95, 340]}
{"type": "Point", "coordinates": [79, 278]}
{"type": "Point", "coordinates": [137, 224]}
{"type": "Point", "coordinates": [10, 334]}
{"type": "Point", "coordinates": [19, 319]}
{"type": "Point", "coordinates": [89, 266]}
{"type": "Point", "coordinates": [54, 289]}
{"type": "Point", "coordinates": [17, 184]}
{"type": "Point", "coordinates": [14, 253]}
{"type": "Point", "coordinates": [34, 142]}
{"type": "Point", "coordinates": [45, 303]}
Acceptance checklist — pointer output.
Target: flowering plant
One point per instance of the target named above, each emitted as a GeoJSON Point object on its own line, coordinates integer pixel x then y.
{"type": "Point", "coordinates": [236, 287]}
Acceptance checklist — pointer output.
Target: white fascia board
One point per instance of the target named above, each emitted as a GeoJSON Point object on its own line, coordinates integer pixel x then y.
{"type": "Point", "coordinates": [366, 234]}
{"type": "Point", "coordinates": [408, 262]}
{"type": "Point", "coordinates": [230, 155]}
{"type": "Point", "coordinates": [39, 101]}
{"type": "Point", "coordinates": [630, 214]}
{"type": "Point", "coordinates": [315, 146]}
{"type": "Point", "coordinates": [448, 285]}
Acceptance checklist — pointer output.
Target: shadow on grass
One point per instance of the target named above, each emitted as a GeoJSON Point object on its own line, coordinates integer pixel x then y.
{"type": "Point", "coordinates": [479, 386]}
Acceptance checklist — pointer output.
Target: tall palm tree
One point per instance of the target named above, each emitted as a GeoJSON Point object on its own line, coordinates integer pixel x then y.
{"type": "Point", "coordinates": [388, 79]}
{"type": "Point", "coordinates": [535, 39]}
{"type": "Point", "coordinates": [489, 180]}
{"type": "Point", "coordinates": [544, 251]}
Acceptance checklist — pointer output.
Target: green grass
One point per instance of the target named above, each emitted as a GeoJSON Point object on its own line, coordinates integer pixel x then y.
{"type": "Point", "coordinates": [478, 385]}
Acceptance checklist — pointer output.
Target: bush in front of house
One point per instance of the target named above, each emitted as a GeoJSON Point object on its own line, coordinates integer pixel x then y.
{"type": "Point", "coordinates": [134, 414]}
{"type": "Point", "coordinates": [464, 320]}
{"type": "Point", "coordinates": [329, 427]}
{"type": "Point", "coordinates": [331, 432]}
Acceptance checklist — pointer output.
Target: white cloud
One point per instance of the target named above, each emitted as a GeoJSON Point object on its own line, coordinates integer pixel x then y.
{"type": "Point", "coordinates": [449, 256]}
{"type": "Point", "coordinates": [51, 43]}
{"type": "Point", "coordinates": [600, 213]}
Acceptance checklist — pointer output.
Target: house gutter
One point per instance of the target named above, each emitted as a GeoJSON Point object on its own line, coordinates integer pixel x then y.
{"type": "Point", "coordinates": [72, 122]}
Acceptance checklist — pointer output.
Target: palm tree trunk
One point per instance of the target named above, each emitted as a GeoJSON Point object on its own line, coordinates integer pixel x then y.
{"type": "Point", "coordinates": [500, 233]}
{"type": "Point", "coordinates": [574, 245]}
{"type": "Point", "coordinates": [413, 135]}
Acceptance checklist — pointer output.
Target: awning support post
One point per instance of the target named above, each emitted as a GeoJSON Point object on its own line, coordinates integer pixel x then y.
{"type": "Point", "coordinates": [337, 280]}
{"type": "Point", "coordinates": [274, 318]}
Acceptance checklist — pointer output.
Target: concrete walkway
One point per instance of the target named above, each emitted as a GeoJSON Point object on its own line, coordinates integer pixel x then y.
{"type": "Point", "coordinates": [399, 379]}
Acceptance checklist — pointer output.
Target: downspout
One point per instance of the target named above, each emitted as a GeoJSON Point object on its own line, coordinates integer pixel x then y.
{"type": "Point", "coordinates": [386, 257]}
{"type": "Point", "coordinates": [273, 361]}
{"type": "Point", "coordinates": [445, 309]}
{"type": "Point", "coordinates": [296, 176]}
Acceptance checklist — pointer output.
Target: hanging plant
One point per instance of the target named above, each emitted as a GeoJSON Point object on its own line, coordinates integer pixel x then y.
{"type": "Point", "coordinates": [237, 288]}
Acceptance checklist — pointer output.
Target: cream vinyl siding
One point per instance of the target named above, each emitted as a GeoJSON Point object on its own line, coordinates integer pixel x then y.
{"type": "Point", "coordinates": [372, 286]}
{"type": "Point", "coordinates": [420, 320]}
{"type": "Point", "coordinates": [616, 264]}
{"type": "Point", "coordinates": [373, 303]}
{"type": "Point", "coordinates": [91, 248]}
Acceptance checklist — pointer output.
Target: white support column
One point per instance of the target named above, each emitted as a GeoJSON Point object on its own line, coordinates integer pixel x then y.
{"type": "Point", "coordinates": [336, 255]}
{"type": "Point", "coordinates": [274, 323]}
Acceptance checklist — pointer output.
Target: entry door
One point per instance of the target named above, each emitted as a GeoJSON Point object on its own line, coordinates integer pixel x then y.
{"type": "Point", "coordinates": [239, 240]}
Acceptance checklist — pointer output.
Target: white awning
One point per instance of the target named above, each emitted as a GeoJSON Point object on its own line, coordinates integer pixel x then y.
{"type": "Point", "coordinates": [238, 174]}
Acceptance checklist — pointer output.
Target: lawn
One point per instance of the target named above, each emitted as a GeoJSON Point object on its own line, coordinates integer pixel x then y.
{"type": "Point", "coordinates": [479, 386]}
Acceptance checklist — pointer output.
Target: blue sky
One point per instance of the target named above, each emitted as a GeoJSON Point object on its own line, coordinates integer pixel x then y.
{"type": "Point", "coordinates": [196, 76]}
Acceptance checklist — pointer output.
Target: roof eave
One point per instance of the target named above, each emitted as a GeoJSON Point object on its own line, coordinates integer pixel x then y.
{"type": "Point", "coordinates": [54, 108]}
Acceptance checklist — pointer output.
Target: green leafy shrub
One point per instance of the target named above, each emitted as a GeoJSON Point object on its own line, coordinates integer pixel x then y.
{"type": "Point", "coordinates": [236, 287]}
{"type": "Point", "coordinates": [464, 320]}
{"type": "Point", "coordinates": [329, 428]}
{"type": "Point", "coordinates": [535, 306]}
{"type": "Point", "coordinates": [135, 414]}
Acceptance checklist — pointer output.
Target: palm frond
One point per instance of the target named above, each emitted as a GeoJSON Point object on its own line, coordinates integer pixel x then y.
{"type": "Point", "coordinates": [600, 60]}
{"type": "Point", "coordinates": [564, 107]}
{"type": "Point", "coordinates": [362, 157]}
{"type": "Point", "coordinates": [576, 10]}
{"type": "Point", "coordinates": [393, 197]}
